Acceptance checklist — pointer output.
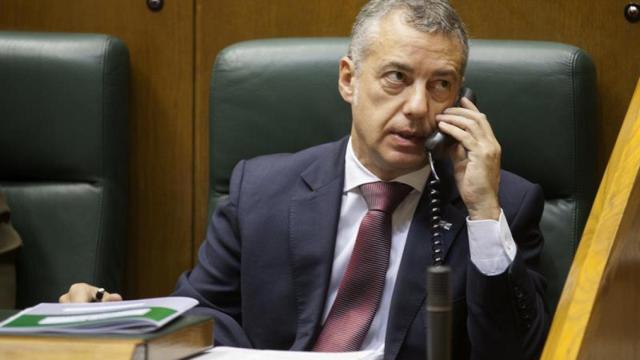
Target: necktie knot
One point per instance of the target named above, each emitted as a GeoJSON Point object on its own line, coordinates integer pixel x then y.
{"type": "Point", "coordinates": [384, 196]}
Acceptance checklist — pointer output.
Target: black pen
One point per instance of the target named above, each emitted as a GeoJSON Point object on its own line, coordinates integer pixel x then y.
{"type": "Point", "coordinates": [99, 295]}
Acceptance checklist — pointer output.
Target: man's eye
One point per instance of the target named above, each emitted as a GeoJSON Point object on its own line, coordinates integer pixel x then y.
{"type": "Point", "coordinates": [442, 84]}
{"type": "Point", "coordinates": [440, 89]}
{"type": "Point", "coordinates": [396, 76]}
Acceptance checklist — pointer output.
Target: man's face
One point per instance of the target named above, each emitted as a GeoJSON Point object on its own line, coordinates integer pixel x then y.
{"type": "Point", "coordinates": [407, 78]}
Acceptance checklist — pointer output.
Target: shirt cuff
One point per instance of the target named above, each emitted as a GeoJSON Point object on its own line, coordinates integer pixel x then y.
{"type": "Point", "coordinates": [491, 244]}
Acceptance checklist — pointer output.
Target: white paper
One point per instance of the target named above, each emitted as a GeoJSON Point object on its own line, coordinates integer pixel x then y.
{"type": "Point", "coordinates": [231, 353]}
{"type": "Point", "coordinates": [56, 320]}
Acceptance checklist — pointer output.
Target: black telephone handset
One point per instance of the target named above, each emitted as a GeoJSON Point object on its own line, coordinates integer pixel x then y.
{"type": "Point", "coordinates": [437, 143]}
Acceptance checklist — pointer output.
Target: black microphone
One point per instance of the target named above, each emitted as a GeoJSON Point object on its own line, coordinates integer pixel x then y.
{"type": "Point", "coordinates": [438, 322]}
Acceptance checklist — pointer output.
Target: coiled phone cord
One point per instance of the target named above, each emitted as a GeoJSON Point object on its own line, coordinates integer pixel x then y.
{"type": "Point", "coordinates": [433, 189]}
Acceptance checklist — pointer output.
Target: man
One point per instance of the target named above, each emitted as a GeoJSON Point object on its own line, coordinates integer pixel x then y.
{"type": "Point", "coordinates": [283, 253]}
{"type": "Point", "coordinates": [10, 242]}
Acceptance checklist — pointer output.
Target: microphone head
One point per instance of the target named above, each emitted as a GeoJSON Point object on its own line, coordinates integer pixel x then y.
{"type": "Point", "coordinates": [439, 286]}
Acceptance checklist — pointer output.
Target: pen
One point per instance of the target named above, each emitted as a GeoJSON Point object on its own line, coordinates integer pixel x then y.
{"type": "Point", "coordinates": [99, 295]}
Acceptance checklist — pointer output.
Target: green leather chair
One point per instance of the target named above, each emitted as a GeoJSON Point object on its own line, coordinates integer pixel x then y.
{"type": "Point", "coordinates": [281, 95]}
{"type": "Point", "coordinates": [63, 158]}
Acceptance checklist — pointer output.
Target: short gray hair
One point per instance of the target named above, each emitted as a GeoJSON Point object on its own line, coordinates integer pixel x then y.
{"type": "Point", "coordinates": [428, 16]}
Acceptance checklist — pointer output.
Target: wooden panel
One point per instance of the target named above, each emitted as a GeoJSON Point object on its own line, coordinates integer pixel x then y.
{"type": "Point", "coordinates": [599, 310]}
{"type": "Point", "coordinates": [598, 26]}
{"type": "Point", "coordinates": [161, 122]}
{"type": "Point", "coordinates": [221, 23]}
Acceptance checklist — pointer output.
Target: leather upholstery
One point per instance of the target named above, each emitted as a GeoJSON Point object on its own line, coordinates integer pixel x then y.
{"type": "Point", "coordinates": [280, 95]}
{"type": "Point", "coordinates": [10, 243]}
{"type": "Point", "coordinates": [63, 158]}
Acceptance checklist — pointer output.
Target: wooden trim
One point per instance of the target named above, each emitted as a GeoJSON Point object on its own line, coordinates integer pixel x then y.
{"type": "Point", "coordinates": [607, 245]}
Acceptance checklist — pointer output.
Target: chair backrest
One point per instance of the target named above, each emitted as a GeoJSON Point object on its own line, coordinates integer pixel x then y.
{"type": "Point", "coordinates": [63, 158]}
{"type": "Point", "coordinates": [280, 95]}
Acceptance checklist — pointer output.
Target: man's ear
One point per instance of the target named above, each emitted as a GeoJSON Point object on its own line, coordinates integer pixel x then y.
{"type": "Point", "coordinates": [346, 79]}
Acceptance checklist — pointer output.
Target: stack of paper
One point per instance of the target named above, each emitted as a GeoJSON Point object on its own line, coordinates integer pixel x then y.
{"type": "Point", "coordinates": [231, 353]}
{"type": "Point", "coordinates": [124, 317]}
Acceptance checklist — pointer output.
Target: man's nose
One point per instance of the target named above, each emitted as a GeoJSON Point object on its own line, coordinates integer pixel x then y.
{"type": "Point", "coordinates": [416, 106]}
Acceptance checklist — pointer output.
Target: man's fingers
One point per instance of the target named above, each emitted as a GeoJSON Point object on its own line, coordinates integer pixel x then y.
{"type": "Point", "coordinates": [461, 136]}
{"type": "Point", "coordinates": [468, 104]}
{"type": "Point", "coordinates": [82, 293]}
{"type": "Point", "coordinates": [460, 121]}
{"type": "Point", "coordinates": [471, 129]}
{"type": "Point", "coordinates": [111, 297]}
{"type": "Point", "coordinates": [458, 154]}
{"type": "Point", "coordinates": [472, 113]}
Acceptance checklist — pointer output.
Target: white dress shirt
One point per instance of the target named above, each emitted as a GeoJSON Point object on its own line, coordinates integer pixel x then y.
{"type": "Point", "coordinates": [490, 242]}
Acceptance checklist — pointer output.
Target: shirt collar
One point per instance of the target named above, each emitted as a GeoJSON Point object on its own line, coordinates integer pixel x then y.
{"type": "Point", "coordinates": [356, 174]}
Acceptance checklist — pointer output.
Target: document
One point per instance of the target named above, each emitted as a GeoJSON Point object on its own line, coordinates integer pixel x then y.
{"type": "Point", "coordinates": [123, 317]}
{"type": "Point", "coordinates": [231, 353]}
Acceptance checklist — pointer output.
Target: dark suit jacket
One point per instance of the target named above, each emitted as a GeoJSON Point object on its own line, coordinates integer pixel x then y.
{"type": "Point", "coordinates": [9, 244]}
{"type": "Point", "coordinates": [264, 268]}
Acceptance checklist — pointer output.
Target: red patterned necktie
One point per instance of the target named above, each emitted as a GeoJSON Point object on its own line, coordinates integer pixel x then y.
{"type": "Point", "coordinates": [361, 287]}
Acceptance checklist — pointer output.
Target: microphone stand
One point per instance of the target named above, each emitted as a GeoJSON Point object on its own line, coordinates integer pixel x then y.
{"type": "Point", "coordinates": [438, 321]}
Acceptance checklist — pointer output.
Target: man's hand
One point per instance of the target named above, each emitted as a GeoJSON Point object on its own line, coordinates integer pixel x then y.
{"type": "Point", "coordinates": [476, 159]}
{"type": "Point", "coordinates": [81, 292]}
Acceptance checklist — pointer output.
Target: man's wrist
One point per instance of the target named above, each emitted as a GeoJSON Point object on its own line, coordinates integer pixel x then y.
{"type": "Point", "coordinates": [491, 212]}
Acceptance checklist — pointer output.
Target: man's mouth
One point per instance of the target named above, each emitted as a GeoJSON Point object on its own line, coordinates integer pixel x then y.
{"type": "Point", "coordinates": [410, 137]}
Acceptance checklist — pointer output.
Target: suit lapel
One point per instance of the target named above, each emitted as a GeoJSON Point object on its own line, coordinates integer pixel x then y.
{"type": "Point", "coordinates": [410, 289]}
{"type": "Point", "coordinates": [314, 215]}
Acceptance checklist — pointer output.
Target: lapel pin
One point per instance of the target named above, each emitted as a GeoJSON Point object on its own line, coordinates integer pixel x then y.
{"type": "Point", "coordinates": [445, 225]}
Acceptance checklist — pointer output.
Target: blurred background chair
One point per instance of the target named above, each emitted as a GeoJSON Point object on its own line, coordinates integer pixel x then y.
{"type": "Point", "coordinates": [63, 158]}
{"type": "Point", "coordinates": [280, 95]}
